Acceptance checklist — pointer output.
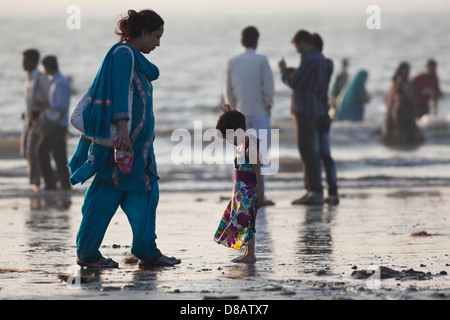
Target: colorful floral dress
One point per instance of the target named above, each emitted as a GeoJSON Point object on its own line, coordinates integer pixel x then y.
{"type": "Point", "coordinates": [237, 226]}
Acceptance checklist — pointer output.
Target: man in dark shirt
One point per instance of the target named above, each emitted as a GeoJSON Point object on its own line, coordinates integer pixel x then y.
{"type": "Point", "coordinates": [309, 82]}
{"type": "Point", "coordinates": [323, 133]}
{"type": "Point", "coordinates": [427, 88]}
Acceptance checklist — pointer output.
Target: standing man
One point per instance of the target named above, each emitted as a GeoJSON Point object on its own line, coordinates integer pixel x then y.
{"type": "Point", "coordinates": [54, 139]}
{"type": "Point", "coordinates": [309, 83]}
{"type": "Point", "coordinates": [427, 88]}
{"type": "Point", "coordinates": [36, 97]}
{"type": "Point", "coordinates": [323, 133]}
{"type": "Point", "coordinates": [249, 87]}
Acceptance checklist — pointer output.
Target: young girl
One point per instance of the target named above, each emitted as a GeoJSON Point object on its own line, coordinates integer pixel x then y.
{"type": "Point", "coordinates": [237, 226]}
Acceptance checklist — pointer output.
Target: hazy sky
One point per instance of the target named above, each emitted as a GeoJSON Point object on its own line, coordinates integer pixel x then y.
{"type": "Point", "coordinates": [107, 7]}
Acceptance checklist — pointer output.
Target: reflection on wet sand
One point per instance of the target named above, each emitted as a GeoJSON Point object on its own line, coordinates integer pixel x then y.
{"type": "Point", "coordinates": [315, 241]}
{"type": "Point", "coordinates": [50, 201]}
{"type": "Point", "coordinates": [49, 229]}
{"type": "Point", "coordinates": [302, 252]}
{"type": "Point", "coordinates": [240, 271]}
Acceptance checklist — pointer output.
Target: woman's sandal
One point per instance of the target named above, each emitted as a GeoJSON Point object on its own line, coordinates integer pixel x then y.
{"type": "Point", "coordinates": [163, 261]}
{"type": "Point", "coordinates": [103, 263]}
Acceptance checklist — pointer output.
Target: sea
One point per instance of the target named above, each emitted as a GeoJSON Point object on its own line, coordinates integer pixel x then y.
{"type": "Point", "coordinates": [192, 58]}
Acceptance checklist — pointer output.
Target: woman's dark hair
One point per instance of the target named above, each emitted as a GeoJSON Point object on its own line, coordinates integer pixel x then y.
{"type": "Point", "coordinates": [230, 119]}
{"type": "Point", "coordinates": [399, 69]}
{"type": "Point", "coordinates": [132, 25]}
{"type": "Point", "coordinates": [249, 37]}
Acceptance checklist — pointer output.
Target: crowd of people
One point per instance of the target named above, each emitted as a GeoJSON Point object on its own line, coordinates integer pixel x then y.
{"type": "Point", "coordinates": [348, 99]}
{"type": "Point", "coordinates": [406, 102]}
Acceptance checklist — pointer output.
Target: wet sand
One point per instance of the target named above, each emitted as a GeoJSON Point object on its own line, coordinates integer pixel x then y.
{"type": "Point", "coordinates": [302, 252]}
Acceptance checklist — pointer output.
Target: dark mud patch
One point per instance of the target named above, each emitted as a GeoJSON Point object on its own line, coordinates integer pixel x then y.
{"type": "Point", "coordinates": [388, 273]}
{"type": "Point", "coordinates": [423, 234]}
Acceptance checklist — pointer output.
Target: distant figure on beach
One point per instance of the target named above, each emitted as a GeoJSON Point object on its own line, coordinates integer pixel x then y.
{"type": "Point", "coordinates": [36, 97]}
{"type": "Point", "coordinates": [249, 86]}
{"type": "Point", "coordinates": [339, 84]}
{"type": "Point", "coordinates": [52, 128]}
{"type": "Point", "coordinates": [309, 83]}
{"type": "Point", "coordinates": [237, 226]}
{"type": "Point", "coordinates": [323, 135]}
{"type": "Point", "coordinates": [136, 191]}
{"type": "Point", "coordinates": [427, 88]}
{"type": "Point", "coordinates": [400, 128]}
{"type": "Point", "coordinates": [354, 99]}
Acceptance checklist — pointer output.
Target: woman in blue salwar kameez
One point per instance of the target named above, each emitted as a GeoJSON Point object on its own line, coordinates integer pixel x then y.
{"type": "Point", "coordinates": [136, 192]}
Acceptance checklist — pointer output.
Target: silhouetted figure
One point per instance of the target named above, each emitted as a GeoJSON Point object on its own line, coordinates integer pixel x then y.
{"type": "Point", "coordinates": [308, 83]}
{"type": "Point", "coordinates": [36, 97]}
{"type": "Point", "coordinates": [249, 87]}
{"type": "Point", "coordinates": [427, 88]}
{"type": "Point", "coordinates": [54, 140]}
{"type": "Point", "coordinates": [323, 135]}
{"type": "Point", "coordinates": [339, 83]}
{"type": "Point", "coordinates": [400, 128]}
{"type": "Point", "coordinates": [354, 99]}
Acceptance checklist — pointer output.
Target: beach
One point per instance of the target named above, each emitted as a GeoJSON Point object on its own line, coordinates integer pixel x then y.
{"type": "Point", "coordinates": [303, 252]}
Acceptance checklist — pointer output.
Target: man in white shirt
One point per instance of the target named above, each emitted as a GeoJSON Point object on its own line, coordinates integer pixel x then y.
{"type": "Point", "coordinates": [249, 87]}
{"type": "Point", "coordinates": [54, 139]}
{"type": "Point", "coordinates": [36, 97]}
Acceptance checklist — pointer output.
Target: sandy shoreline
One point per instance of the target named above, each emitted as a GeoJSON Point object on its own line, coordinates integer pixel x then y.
{"type": "Point", "coordinates": [303, 252]}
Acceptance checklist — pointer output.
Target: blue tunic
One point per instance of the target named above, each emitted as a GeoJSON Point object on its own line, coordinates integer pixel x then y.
{"type": "Point", "coordinates": [111, 97]}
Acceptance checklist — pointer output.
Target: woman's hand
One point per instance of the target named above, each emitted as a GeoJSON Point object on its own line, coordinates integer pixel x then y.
{"type": "Point", "coordinates": [124, 137]}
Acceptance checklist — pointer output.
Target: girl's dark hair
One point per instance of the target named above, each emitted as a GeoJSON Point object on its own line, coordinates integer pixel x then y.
{"type": "Point", "coordinates": [132, 25]}
{"type": "Point", "coordinates": [230, 119]}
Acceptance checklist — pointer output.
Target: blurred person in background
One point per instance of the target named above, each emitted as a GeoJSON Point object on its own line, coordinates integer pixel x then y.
{"type": "Point", "coordinates": [354, 99]}
{"type": "Point", "coordinates": [55, 130]}
{"type": "Point", "coordinates": [36, 97]}
{"type": "Point", "coordinates": [427, 88]}
{"type": "Point", "coordinates": [249, 87]}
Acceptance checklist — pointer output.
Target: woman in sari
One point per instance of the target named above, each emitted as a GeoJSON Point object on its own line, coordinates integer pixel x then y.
{"type": "Point", "coordinates": [400, 128]}
{"type": "Point", "coordinates": [355, 96]}
{"type": "Point", "coordinates": [135, 189]}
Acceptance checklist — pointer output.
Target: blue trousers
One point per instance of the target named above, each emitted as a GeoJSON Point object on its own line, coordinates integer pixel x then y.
{"type": "Point", "coordinates": [101, 203]}
{"type": "Point", "coordinates": [324, 153]}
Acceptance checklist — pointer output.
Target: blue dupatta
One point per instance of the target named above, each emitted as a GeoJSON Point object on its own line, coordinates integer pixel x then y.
{"type": "Point", "coordinates": [102, 110]}
{"type": "Point", "coordinates": [352, 106]}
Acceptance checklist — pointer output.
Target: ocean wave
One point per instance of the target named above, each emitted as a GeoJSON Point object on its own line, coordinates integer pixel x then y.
{"type": "Point", "coordinates": [395, 162]}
